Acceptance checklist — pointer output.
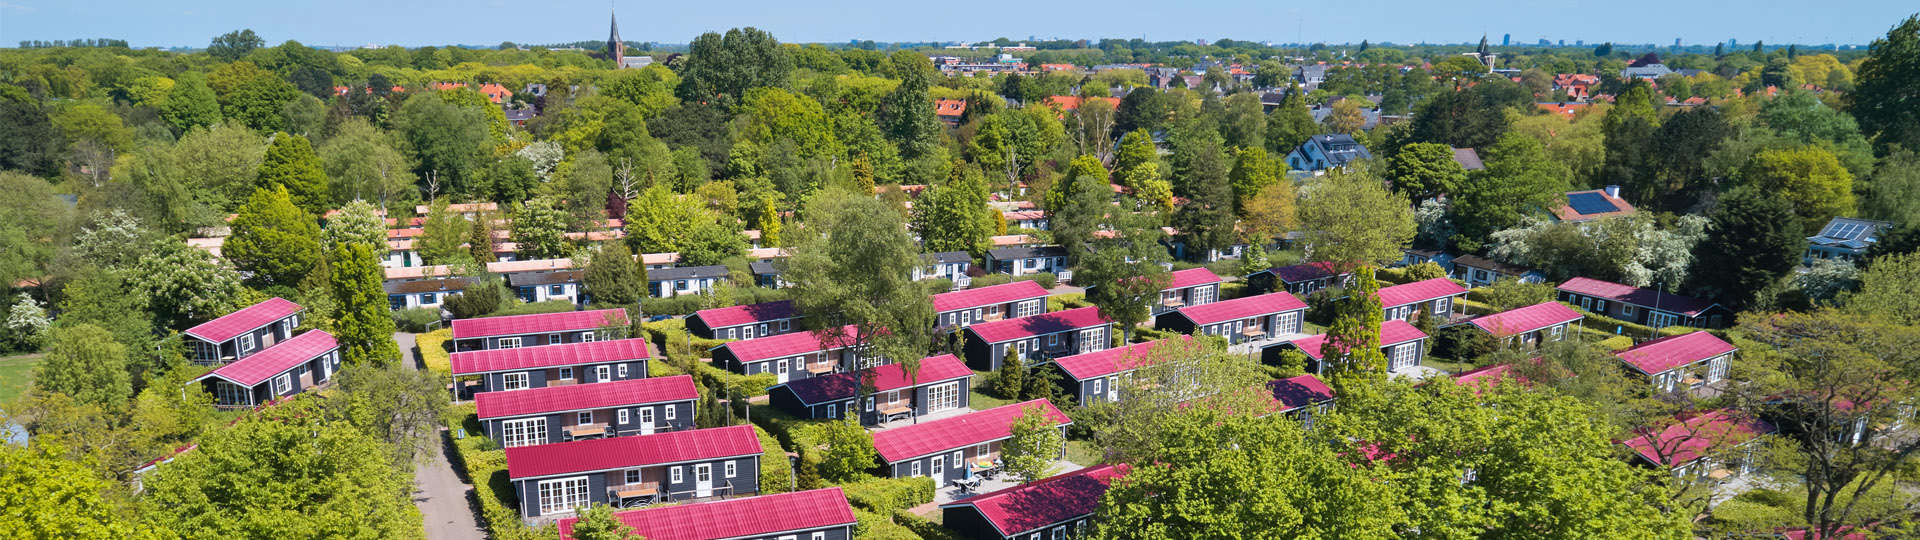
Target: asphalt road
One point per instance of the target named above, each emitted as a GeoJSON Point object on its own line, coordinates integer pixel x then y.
{"type": "Point", "coordinates": [445, 502]}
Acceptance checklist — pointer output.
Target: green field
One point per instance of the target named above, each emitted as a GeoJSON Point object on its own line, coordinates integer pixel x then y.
{"type": "Point", "coordinates": [16, 375]}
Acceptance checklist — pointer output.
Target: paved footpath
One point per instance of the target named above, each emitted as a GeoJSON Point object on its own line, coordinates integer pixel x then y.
{"type": "Point", "coordinates": [445, 502]}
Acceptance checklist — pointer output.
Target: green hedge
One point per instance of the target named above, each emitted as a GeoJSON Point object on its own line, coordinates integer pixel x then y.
{"type": "Point", "coordinates": [1067, 301]}
{"type": "Point", "coordinates": [486, 468]}
{"type": "Point", "coordinates": [1395, 276]}
{"type": "Point", "coordinates": [678, 305]}
{"type": "Point", "coordinates": [870, 526]}
{"type": "Point", "coordinates": [923, 527]}
{"type": "Point", "coordinates": [776, 473]}
{"type": "Point", "coordinates": [521, 308]}
{"type": "Point", "coordinates": [888, 494]}
{"type": "Point", "coordinates": [1607, 325]}
{"type": "Point", "coordinates": [1615, 343]}
{"type": "Point", "coordinates": [1045, 279]}
{"type": "Point", "coordinates": [416, 320]}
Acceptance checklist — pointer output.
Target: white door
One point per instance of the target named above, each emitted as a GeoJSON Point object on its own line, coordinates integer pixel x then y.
{"type": "Point", "coordinates": [703, 480]}
{"type": "Point", "coordinates": [939, 469]}
{"type": "Point", "coordinates": [646, 420]}
{"type": "Point", "coordinates": [780, 370]}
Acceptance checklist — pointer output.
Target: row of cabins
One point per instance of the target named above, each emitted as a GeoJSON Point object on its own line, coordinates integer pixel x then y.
{"type": "Point", "coordinates": [259, 354]}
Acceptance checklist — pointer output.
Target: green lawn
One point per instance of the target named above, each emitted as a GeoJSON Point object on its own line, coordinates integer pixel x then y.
{"type": "Point", "coordinates": [16, 376]}
{"type": "Point", "coordinates": [1083, 453]}
{"type": "Point", "coordinates": [978, 399]}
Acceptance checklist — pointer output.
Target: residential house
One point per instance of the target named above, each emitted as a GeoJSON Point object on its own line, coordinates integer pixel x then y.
{"type": "Point", "coordinates": [1057, 507]}
{"type": "Point", "coordinates": [1403, 345]}
{"type": "Point", "coordinates": [423, 293]}
{"type": "Point", "coordinates": [1327, 151]}
{"type": "Point", "coordinates": [515, 331]}
{"type": "Point", "coordinates": [588, 411]}
{"type": "Point", "coordinates": [563, 285]}
{"type": "Point", "coordinates": [284, 369]}
{"type": "Point", "coordinates": [820, 514]}
{"type": "Point", "coordinates": [1437, 297]}
{"type": "Point", "coordinates": [1646, 67]}
{"type": "Point", "coordinates": [1479, 271]}
{"type": "Point", "coordinates": [1240, 320]}
{"type": "Point", "coordinates": [401, 254]}
{"type": "Point", "coordinates": [465, 210]}
{"type": "Point", "coordinates": [1531, 325]}
{"type": "Point", "coordinates": [947, 448]}
{"type": "Point", "coordinates": [1187, 288]}
{"type": "Point", "coordinates": [244, 332]}
{"type": "Point", "coordinates": [1021, 261]}
{"type": "Point", "coordinates": [1096, 376]}
{"type": "Point", "coordinates": [940, 385]}
{"type": "Point", "coordinates": [1026, 219]}
{"type": "Point", "coordinates": [1416, 256]}
{"type": "Point", "coordinates": [679, 280]}
{"type": "Point", "coordinates": [1845, 239]}
{"type": "Point", "coordinates": [1300, 279]}
{"type": "Point", "coordinates": [766, 274]}
{"type": "Point", "coordinates": [949, 265]}
{"type": "Point", "coordinates": [555, 479]}
{"type": "Point", "coordinates": [1638, 305]}
{"type": "Point", "coordinates": [1592, 204]}
{"type": "Point", "coordinates": [1691, 362]}
{"type": "Point", "coordinates": [744, 322]}
{"type": "Point", "coordinates": [950, 110]}
{"type": "Point", "coordinates": [1037, 338]}
{"type": "Point", "coordinates": [797, 355]}
{"type": "Point", "coordinates": [522, 368]}
{"type": "Point", "coordinates": [1301, 397]}
{"type": "Point", "coordinates": [987, 304]}
{"type": "Point", "coordinates": [1713, 445]}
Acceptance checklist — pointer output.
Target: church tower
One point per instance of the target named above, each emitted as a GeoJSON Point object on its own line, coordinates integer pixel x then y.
{"type": "Point", "coordinates": [615, 48]}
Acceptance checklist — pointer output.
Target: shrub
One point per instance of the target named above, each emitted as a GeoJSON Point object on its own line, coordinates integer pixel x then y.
{"type": "Point", "coordinates": [990, 280]}
{"type": "Point", "coordinates": [534, 308]}
{"type": "Point", "coordinates": [1046, 279]}
{"type": "Point", "coordinates": [1614, 343]}
{"type": "Point", "coordinates": [1394, 275]}
{"type": "Point", "coordinates": [884, 495]}
{"type": "Point", "coordinates": [922, 527]}
{"type": "Point", "coordinates": [480, 298]}
{"type": "Point", "coordinates": [1424, 271]}
{"type": "Point", "coordinates": [416, 319]}
{"type": "Point", "coordinates": [1322, 305]}
{"type": "Point", "coordinates": [1462, 342]}
{"type": "Point", "coordinates": [869, 526]}
{"type": "Point", "coordinates": [678, 305]}
{"type": "Point", "coordinates": [433, 350]}
{"type": "Point", "coordinates": [1067, 301]}
{"type": "Point", "coordinates": [776, 472]}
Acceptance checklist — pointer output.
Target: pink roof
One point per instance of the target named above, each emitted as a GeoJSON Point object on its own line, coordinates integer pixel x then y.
{"type": "Point", "coordinates": [783, 345]}
{"type": "Point", "coordinates": [1192, 277]}
{"type": "Point", "coordinates": [1245, 307]}
{"type": "Point", "coordinates": [1674, 351]}
{"type": "Point", "coordinates": [765, 515]}
{"type": "Point", "coordinates": [575, 397]}
{"type": "Point", "coordinates": [1109, 361]}
{"type": "Point", "coordinates": [637, 451]}
{"type": "Point", "coordinates": [1392, 332]}
{"type": "Point", "coordinates": [987, 296]}
{"type": "Point", "coordinates": [537, 323]}
{"type": "Point", "coordinates": [1418, 291]}
{"type": "Point", "coordinates": [747, 314]}
{"type": "Point", "coordinates": [1647, 298]}
{"type": "Point", "coordinates": [1025, 508]}
{"type": "Point", "coordinates": [1527, 319]}
{"type": "Point", "coordinates": [908, 442]}
{"type": "Point", "coordinates": [246, 319]}
{"type": "Point", "coordinates": [546, 356]}
{"type": "Point", "coordinates": [1688, 440]}
{"type": "Point", "coordinates": [1039, 325]}
{"type": "Point", "coordinates": [1482, 377]}
{"type": "Point", "coordinates": [1299, 391]}
{"type": "Point", "coordinates": [279, 358]}
{"type": "Point", "coordinates": [933, 369]}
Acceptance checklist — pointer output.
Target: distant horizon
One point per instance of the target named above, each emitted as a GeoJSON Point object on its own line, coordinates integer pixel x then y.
{"type": "Point", "coordinates": [358, 23]}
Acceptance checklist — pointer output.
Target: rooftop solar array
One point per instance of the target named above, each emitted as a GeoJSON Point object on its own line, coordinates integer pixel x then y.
{"type": "Point", "coordinates": [1590, 203]}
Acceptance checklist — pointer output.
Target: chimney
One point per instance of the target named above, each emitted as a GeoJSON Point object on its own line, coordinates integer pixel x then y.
{"type": "Point", "coordinates": [1613, 191]}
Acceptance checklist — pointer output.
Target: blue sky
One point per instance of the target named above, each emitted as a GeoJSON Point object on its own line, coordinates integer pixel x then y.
{"type": "Point", "coordinates": [437, 22]}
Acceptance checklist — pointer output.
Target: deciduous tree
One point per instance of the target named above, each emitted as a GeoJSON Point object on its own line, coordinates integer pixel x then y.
{"type": "Point", "coordinates": [613, 276]}
{"type": "Point", "coordinates": [1424, 170]}
{"type": "Point", "coordinates": [540, 229]}
{"type": "Point", "coordinates": [1127, 266]}
{"type": "Point", "coordinates": [1351, 218]}
{"type": "Point", "coordinates": [1887, 84]}
{"type": "Point", "coordinates": [1810, 178]}
{"type": "Point", "coordinates": [1034, 444]}
{"type": "Point", "coordinates": [83, 361]}
{"type": "Point", "coordinates": [1752, 246]}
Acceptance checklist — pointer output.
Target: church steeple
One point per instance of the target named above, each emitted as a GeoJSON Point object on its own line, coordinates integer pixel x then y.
{"type": "Point", "coordinates": [615, 48]}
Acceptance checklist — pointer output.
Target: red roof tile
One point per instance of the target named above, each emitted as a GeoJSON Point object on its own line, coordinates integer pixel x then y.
{"type": "Point", "coordinates": [1304, 272]}
{"type": "Point", "coordinates": [537, 323]}
{"type": "Point", "coordinates": [575, 397]}
{"type": "Point", "coordinates": [908, 442]}
{"type": "Point", "coordinates": [949, 107]}
{"type": "Point", "coordinates": [1029, 507]}
{"type": "Point", "coordinates": [1245, 307]}
{"type": "Point", "coordinates": [933, 369]}
{"type": "Point", "coordinates": [987, 296]}
{"type": "Point", "coordinates": [793, 344]}
{"type": "Point", "coordinates": [1418, 291]}
{"type": "Point", "coordinates": [1192, 277]}
{"type": "Point", "coordinates": [1039, 325]}
{"type": "Point", "coordinates": [280, 358]}
{"type": "Point", "coordinates": [747, 314]}
{"type": "Point", "coordinates": [246, 319]}
{"type": "Point", "coordinates": [1299, 391]}
{"type": "Point", "coordinates": [635, 451]}
{"type": "Point", "coordinates": [765, 515]}
{"type": "Point", "coordinates": [1392, 332]}
{"type": "Point", "coordinates": [1647, 298]}
{"type": "Point", "coordinates": [1674, 351]}
{"type": "Point", "coordinates": [546, 356]}
{"type": "Point", "coordinates": [1109, 361]}
{"type": "Point", "coordinates": [1688, 440]}
{"type": "Point", "coordinates": [1527, 319]}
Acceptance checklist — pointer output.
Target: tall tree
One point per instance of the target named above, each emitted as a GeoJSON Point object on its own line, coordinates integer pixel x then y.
{"type": "Point", "coordinates": [1886, 290]}
{"type": "Point", "coordinates": [32, 214]}
{"type": "Point", "coordinates": [85, 362]}
{"type": "Point", "coordinates": [1424, 170]}
{"type": "Point", "coordinates": [1353, 340]}
{"type": "Point", "coordinates": [1887, 85]}
{"type": "Point", "coordinates": [362, 164]}
{"type": "Point", "coordinates": [69, 499]}
{"type": "Point", "coordinates": [906, 115]}
{"type": "Point", "coordinates": [183, 284]}
{"type": "Point", "coordinates": [723, 67]}
{"type": "Point", "coordinates": [1520, 180]}
{"type": "Point", "coordinates": [1345, 117]}
{"type": "Point", "coordinates": [277, 242]}
{"type": "Point", "coordinates": [1752, 246]}
{"type": "Point", "coordinates": [1809, 177]}
{"type": "Point", "coordinates": [852, 273]}
{"type": "Point", "coordinates": [1290, 124]}
{"type": "Point", "coordinates": [1893, 192]}
{"type": "Point", "coordinates": [443, 235]}
{"type": "Point", "coordinates": [540, 229]}
{"type": "Point", "coordinates": [445, 140]}
{"type": "Point", "coordinates": [1200, 173]}
{"type": "Point", "coordinates": [614, 278]}
{"type": "Point", "coordinates": [358, 222]}
{"type": "Point", "coordinates": [235, 45]}
{"type": "Point", "coordinates": [1351, 219]}
{"type": "Point", "coordinates": [364, 326]}
{"type": "Point", "coordinates": [1128, 266]}
{"type": "Point", "coordinates": [190, 104]}
{"type": "Point", "coordinates": [1033, 444]}
{"type": "Point", "coordinates": [1252, 172]}
{"type": "Point", "coordinates": [955, 216]}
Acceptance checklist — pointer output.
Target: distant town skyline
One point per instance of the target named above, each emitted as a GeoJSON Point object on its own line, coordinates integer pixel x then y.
{"type": "Point", "coordinates": [442, 22]}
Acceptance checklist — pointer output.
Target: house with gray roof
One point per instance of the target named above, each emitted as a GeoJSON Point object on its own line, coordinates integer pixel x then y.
{"type": "Point", "coordinates": [671, 282]}
{"type": "Point", "coordinates": [1326, 151]}
{"type": "Point", "coordinates": [1844, 238]}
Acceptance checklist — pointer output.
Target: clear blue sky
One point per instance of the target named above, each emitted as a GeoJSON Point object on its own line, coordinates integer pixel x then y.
{"type": "Point", "coordinates": [437, 22]}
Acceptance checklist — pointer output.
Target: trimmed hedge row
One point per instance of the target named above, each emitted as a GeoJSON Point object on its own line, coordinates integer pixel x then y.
{"type": "Point", "coordinates": [433, 351]}
{"type": "Point", "coordinates": [884, 495]}
{"type": "Point", "coordinates": [870, 526]}
{"type": "Point", "coordinates": [923, 527]}
{"type": "Point", "coordinates": [776, 473]}
{"type": "Point", "coordinates": [535, 308]}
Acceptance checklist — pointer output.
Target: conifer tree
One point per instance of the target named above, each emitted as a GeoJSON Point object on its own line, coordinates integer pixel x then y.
{"type": "Point", "coordinates": [274, 240]}
{"type": "Point", "coordinates": [363, 327]}
{"type": "Point", "coordinates": [291, 162]}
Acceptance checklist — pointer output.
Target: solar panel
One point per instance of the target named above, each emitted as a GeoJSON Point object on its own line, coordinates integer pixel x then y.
{"type": "Point", "coordinates": [1846, 231]}
{"type": "Point", "coordinates": [1590, 203]}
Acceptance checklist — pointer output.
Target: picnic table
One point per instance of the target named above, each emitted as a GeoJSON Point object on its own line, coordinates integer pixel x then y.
{"type": "Point", "coordinates": [896, 410]}
{"type": "Point", "coordinates": [641, 494]}
{"type": "Point", "coordinates": [578, 431]}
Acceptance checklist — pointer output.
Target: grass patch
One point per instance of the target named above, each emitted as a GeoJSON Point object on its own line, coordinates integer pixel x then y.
{"type": "Point", "coordinates": [16, 376]}
{"type": "Point", "coordinates": [979, 400]}
{"type": "Point", "coordinates": [1083, 453]}
{"type": "Point", "coordinates": [1447, 366]}
{"type": "Point", "coordinates": [433, 351]}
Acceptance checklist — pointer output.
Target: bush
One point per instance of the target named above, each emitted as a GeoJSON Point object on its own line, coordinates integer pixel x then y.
{"type": "Point", "coordinates": [416, 319]}
{"type": "Point", "coordinates": [776, 472]}
{"type": "Point", "coordinates": [884, 495]}
{"type": "Point", "coordinates": [535, 308]}
{"type": "Point", "coordinates": [869, 526]}
{"type": "Point", "coordinates": [433, 351]}
{"type": "Point", "coordinates": [1144, 334]}
{"type": "Point", "coordinates": [678, 305]}
{"type": "Point", "coordinates": [1234, 289]}
{"type": "Point", "coordinates": [1462, 343]}
{"type": "Point", "coordinates": [1046, 279]}
{"type": "Point", "coordinates": [1614, 343]}
{"type": "Point", "coordinates": [1322, 305]}
{"type": "Point", "coordinates": [1067, 301]}
{"type": "Point", "coordinates": [922, 527]}
{"type": "Point", "coordinates": [480, 298]}
{"type": "Point", "coordinates": [990, 280]}
{"type": "Point", "coordinates": [1392, 275]}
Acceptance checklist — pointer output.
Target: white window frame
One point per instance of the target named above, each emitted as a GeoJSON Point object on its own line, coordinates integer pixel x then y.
{"type": "Point", "coordinates": [674, 476]}
{"type": "Point", "coordinates": [282, 384]}
{"type": "Point", "coordinates": [833, 410]}
{"type": "Point", "coordinates": [565, 373]}
{"type": "Point", "coordinates": [730, 469]}
{"type": "Point", "coordinates": [1027, 308]}
{"type": "Point", "coordinates": [246, 342]}
{"type": "Point", "coordinates": [1404, 355]}
{"type": "Point", "coordinates": [620, 370]}
{"type": "Point", "coordinates": [507, 343]}
{"type": "Point", "coordinates": [937, 467]}
{"type": "Point", "coordinates": [523, 432]}
{"type": "Point", "coordinates": [631, 477]}
{"type": "Point", "coordinates": [563, 494]}
{"type": "Point", "coordinates": [624, 416]}
{"type": "Point", "coordinates": [670, 411]}
{"type": "Point", "coordinates": [587, 336]}
{"type": "Point", "coordinates": [519, 380]}
{"type": "Point", "coordinates": [786, 325]}
{"type": "Point", "coordinates": [914, 468]}
{"type": "Point", "coordinates": [555, 339]}
{"type": "Point", "coordinates": [1098, 387]}
{"type": "Point", "coordinates": [583, 417]}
